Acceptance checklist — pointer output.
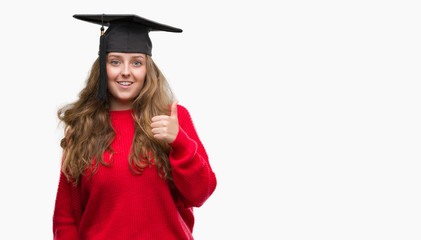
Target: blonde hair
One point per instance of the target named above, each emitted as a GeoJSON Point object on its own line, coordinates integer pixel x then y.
{"type": "Point", "coordinates": [89, 133]}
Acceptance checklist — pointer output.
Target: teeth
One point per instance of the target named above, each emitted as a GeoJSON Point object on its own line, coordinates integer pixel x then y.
{"type": "Point", "coordinates": [125, 83]}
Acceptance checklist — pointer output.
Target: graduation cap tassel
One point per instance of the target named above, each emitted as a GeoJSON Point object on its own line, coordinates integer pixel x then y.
{"type": "Point", "coordinates": [102, 89]}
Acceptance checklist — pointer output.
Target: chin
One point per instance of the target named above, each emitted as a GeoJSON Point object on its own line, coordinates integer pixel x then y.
{"type": "Point", "coordinates": [123, 98]}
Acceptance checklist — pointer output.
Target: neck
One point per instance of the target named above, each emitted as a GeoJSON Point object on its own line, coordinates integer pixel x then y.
{"type": "Point", "coordinates": [116, 105]}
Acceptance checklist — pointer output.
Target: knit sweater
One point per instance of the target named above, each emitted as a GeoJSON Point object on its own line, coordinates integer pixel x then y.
{"type": "Point", "coordinates": [117, 204]}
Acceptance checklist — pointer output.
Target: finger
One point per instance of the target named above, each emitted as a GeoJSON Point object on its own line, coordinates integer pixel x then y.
{"type": "Point", "coordinates": [160, 136]}
{"type": "Point", "coordinates": [157, 124]}
{"type": "Point", "coordinates": [156, 131]}
{"type": "Point", "coordinates": [157, 136]}
{"type": "Point", "coordinates": [159, 118]}
{"type": "Point", "coordinates": [160, 129]}
{"type": "Point", "coordinates": [174, 109]}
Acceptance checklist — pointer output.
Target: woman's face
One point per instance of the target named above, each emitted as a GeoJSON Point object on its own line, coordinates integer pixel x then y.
{"type": "Point", "coordinates": [126, 74]}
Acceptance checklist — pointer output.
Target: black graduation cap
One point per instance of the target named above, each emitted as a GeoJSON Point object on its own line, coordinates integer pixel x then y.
{"type": "Point", "coordinates": [126, 33]}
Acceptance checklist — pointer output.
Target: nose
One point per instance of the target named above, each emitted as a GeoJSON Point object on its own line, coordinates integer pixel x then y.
{"type": "Point", "coordinates": [125, 71]}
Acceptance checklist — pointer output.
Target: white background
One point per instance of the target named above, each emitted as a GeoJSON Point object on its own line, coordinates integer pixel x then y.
{"type": "Point", "coordinates": [309, 111]}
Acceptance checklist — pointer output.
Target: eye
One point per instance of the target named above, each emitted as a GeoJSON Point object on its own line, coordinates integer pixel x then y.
{"type": "Point", "coordinates": [137, 63]}
{"type": "Point", "coordinates": [114, 62]}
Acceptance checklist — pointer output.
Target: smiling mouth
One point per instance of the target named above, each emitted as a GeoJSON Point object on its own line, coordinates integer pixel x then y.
{"type": "Point", "coordinates": [125, 83]}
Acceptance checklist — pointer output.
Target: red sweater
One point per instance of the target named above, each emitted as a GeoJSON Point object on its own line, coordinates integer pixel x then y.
{"type": "Point", "coordinates": [117, 204]}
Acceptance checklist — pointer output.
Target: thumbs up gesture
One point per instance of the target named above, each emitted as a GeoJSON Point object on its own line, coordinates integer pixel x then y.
{"type": "Point", "coordinates": [166, 127]}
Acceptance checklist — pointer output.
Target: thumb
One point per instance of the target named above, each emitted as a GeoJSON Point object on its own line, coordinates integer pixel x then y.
{"type": "Point", "coordinates": [174, 109]}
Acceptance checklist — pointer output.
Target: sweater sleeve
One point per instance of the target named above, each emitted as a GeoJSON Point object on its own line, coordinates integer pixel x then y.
{"type": "Point", "coordinates": [64, 221]}
{"type": "Point", "coordinates": [192, 173]}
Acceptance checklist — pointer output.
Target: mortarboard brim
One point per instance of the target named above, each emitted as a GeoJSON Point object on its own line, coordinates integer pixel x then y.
{"type": "Point", "coordinates": [109, 19]}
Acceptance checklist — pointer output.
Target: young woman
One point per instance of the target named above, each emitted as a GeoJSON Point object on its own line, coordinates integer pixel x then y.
{"type": "Point", "coordinates": [133, 165]}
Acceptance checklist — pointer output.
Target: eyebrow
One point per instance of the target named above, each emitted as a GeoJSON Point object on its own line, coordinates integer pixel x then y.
{"type": "Point", "coordinates": [118, 56]}
{"type": "Point", "coordinates": [138, 56]}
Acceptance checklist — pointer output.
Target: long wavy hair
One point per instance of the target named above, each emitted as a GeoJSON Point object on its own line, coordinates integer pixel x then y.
{"type": "Point", "coordinates": [89, 133]}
